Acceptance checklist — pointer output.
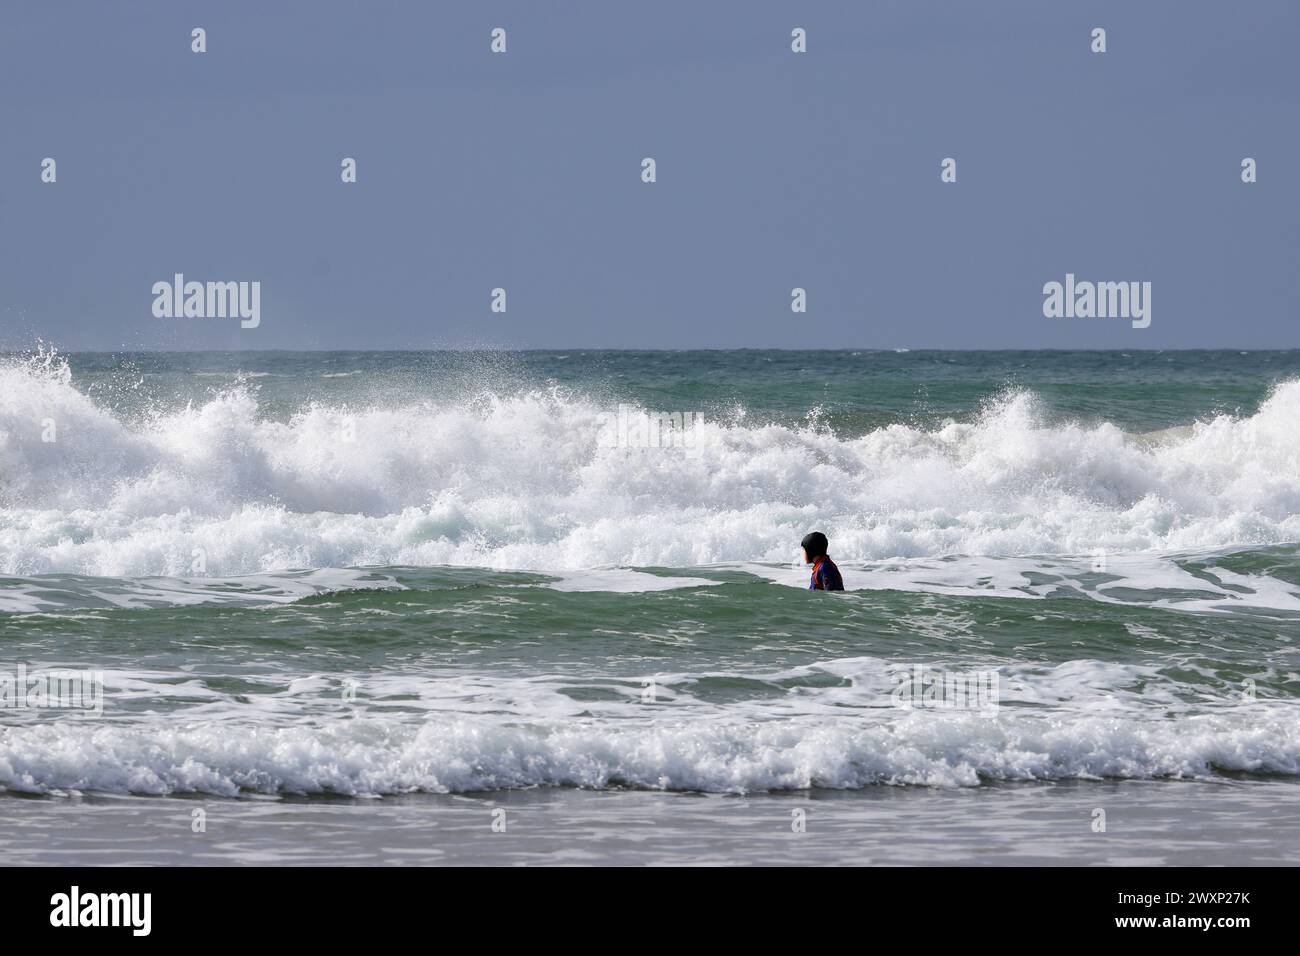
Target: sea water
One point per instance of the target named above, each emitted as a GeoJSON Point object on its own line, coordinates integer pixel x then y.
{"type": "Point", "coordinates": [368, 575]}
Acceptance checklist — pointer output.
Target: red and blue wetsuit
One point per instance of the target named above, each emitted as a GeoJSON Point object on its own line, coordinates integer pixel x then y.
{"type": "Point", "coordinates": [826, 576]}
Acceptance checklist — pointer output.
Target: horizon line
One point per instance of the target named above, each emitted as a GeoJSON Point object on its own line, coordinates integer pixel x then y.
{"type": "Point", "coordinates": [744, 348]}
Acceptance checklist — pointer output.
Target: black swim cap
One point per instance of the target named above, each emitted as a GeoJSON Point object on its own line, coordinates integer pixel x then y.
{"type": "Point", "coordinates": [815, 544]}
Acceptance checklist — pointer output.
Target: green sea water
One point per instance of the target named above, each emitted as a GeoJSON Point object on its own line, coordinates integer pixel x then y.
{"type": "Point", "coordinates": [373, 574]}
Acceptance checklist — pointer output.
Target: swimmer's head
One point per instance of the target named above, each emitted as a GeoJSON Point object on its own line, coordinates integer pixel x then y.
{"type": "Point", "coordinates": [814, 546]}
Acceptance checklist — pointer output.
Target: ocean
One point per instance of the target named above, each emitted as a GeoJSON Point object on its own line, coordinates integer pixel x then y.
{"type": "Point", "coordinates": [514, 607]}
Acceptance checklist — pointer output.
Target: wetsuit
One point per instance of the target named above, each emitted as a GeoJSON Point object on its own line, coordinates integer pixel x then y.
{"type": "Point", "coordinates": [826, 576]}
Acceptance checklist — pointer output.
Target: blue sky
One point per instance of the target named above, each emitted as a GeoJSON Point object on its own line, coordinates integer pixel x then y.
{"type": "Point", "coordinates": [775, 170]}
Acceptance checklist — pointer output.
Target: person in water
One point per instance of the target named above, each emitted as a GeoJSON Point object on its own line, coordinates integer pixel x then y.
{"type": "Point", "coordinates": [825, 575]}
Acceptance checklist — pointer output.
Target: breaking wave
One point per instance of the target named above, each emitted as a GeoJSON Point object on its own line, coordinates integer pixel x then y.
{"type": "Point", "coordinates": [528, 480]}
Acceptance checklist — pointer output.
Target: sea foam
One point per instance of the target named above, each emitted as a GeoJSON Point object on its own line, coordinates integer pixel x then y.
{"type": "Point", "coordinates": [525, 480]}
{"type": "Point", "coordinates": [380, 757]}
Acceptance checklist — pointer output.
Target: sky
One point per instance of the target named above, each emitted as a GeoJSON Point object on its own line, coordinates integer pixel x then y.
{"type": "Point", "coordinates": [775, 170]}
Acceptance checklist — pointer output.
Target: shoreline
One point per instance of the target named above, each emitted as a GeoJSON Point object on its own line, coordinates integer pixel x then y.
{"type": "Point", "coordinates": [1147, 823]}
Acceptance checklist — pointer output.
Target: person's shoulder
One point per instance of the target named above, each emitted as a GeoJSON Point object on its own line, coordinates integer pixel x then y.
{"type": "Point", "coordinates": [833, 573]}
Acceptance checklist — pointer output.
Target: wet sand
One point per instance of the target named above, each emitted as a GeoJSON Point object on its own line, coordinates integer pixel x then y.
{"type": "Point", "coordinates": [1147, 823]}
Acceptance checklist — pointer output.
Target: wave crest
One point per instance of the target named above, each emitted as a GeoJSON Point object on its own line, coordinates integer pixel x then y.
{"type": "Point", "coordinates": [527, 480]}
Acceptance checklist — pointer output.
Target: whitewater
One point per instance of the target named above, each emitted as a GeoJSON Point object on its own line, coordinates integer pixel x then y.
{"type": "Point", "coordinates": [367, 575]}
{"type": "Point", "coordinates": [526, 481]}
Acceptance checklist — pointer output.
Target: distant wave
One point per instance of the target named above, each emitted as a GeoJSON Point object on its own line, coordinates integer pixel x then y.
{"type": "Point", "coordinates": [522, 480]}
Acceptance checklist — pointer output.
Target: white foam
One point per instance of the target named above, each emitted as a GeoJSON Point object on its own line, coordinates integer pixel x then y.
{"type": "Point", "coordinates": [625, 581]}
{"type": "Point", "coordinates": [1148, 578]}
{"type": "Point", "coordinates": [524, 481]}
{"type": "Point", "coordinates": [371, 756]}
{"type": "Point", "coordinates": [37, 594]}
{"type": "Point", "coordinates": [446, 730]}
